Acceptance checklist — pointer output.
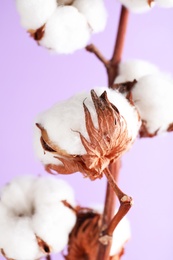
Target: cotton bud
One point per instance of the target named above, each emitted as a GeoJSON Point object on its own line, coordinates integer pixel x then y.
{"type": "Point", "coordinates": [152, 96]}
{"type": "Point", "coordinates": [94, 11]}
{"type": "Point", "coordinates": [138, 6]}
{"type": "Point", "coordinates": [86, 132]}
{"type": "Point", "coordinates": [35, 13]}
{"type": "Point", "coordinates": [133, 70]}
{"type": "Point", "coordinates": [34, 218]}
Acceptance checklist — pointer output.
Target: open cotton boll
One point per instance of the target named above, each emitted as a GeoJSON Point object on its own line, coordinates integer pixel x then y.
{"type": "Point", "coordinates": [165, 3]}
{"type": "Point", "coordinates": [35, 13]}
{"type": "Point", "coordinates": [134, 69]}
{"type": "Point", "coordinates": [43, 225]}
{"type": "Point", "coordinates": [152, 96]}
{"type": "Point", "coordinates": [137, 6]}
{"type": "Point", "coordinates": [66, 31]}
{"type": "Point", "coordinates": [65, 120]}
{"type": "Point", "coordinates": [94, 11]}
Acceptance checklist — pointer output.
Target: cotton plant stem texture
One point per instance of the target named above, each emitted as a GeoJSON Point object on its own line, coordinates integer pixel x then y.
{"type": "Point", "coordinates": [112, 70]}
{"type": "Point", "coordinates": [119, 45]}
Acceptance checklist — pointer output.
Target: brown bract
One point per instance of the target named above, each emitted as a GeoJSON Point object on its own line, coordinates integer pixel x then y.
{"type": "Point", "coordinates": [83, 240]}
{"type": "Point", "coordinates": [170, 128]}
{"type": "Point", "coordinates": [38, 33]}
{"type": "Point", "coordinates": [105, 144]}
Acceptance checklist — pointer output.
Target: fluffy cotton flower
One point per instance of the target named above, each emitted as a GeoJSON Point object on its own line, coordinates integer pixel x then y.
{"type": "Point", "coordinates": [138, 6]}
{"type": "Point", "coordinates": [35, 13]}
{"type": "Point", "coordinates": [94, 11]}
{"type": "Point", "coordinates": [134, 70]}
{"type": "Point", "coordinates": [34, 220]}
{"type": "Point", "coordinates": [63, 26]}
{"type": "Point", "coordinates": [66, 30]}
{"type": "Point", "coordinates": [153, 95]}
{"type": "Point", "coordinates": [64, 127]}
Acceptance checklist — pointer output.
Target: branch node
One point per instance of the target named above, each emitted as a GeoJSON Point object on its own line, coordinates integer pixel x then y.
{"type": "Point", "coordinates": [105, 239]}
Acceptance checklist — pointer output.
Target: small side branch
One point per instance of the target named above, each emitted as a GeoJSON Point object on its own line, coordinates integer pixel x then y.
{"type": "Point", "coordinates": [93, 49]}
{"type": "Point", "coordinates": [125, 205]}
{"type": "Point", "coordinates": [112, 64]}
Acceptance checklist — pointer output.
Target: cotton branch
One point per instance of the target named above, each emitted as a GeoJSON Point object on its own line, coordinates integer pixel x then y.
{"type": "Point", "coordinates": [112, 70]}
{"type": "Point", "coordinates": [112, 64]}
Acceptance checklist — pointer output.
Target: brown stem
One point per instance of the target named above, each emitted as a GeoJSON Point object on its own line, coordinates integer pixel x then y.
{"type": "Point", "coordinates": [112, 64]}
{"type": "Point", "coordinates": [93, 49]}
{"type": "Point", "coordinates": [112, 70]}
{"type": "Point", "coordinates": [109, 209]}
{"type": "Point", "coordinates": [119, 45]}
{"type": "Point", "coordinates": [125, 205]}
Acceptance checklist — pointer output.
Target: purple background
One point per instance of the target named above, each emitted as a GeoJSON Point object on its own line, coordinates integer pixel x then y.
{"type": "Point", "coordinates": [32, 79]}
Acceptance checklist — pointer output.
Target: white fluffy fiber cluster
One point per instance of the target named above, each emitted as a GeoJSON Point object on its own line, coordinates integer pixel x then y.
{"type": "Point", "coordinates": [152, 94]}
{"type": "Point", "coordinates": [29, 207]}
{"type": "Point", "coordinates": [139, 6]}
{"type": "Point", "coordinates": [65, 120]}
{"type": "Point", "coordinates": [68, 24]}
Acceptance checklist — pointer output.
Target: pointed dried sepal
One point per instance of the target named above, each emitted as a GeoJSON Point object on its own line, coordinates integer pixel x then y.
{"type": "Point", "coordinates": [83, 240]}
{"type": "Point", "coordinates": [104, 145]}
{"type": "Point", "coordinates": [37, 34]}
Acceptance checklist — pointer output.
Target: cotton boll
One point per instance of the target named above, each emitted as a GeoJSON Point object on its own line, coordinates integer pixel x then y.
{"type": "Point", "coordinates": [134, 69]}
{"type": "Point", "coordinates": [153, 98]}
{"type": "Point", "coordinates": [94, 11]}
{"type": "Point", "coordinates": [66, 31]}
{"type": "Point", "coordinates": [165, 3]}
{"type": "Point", "coordinates": [65, 120]}
{"type": "Point", "coordinates": [35, 13]}
{"type": "Point", "coordinates": [137, 6]}
{"type": "Point", "coordinates": [22, 227]}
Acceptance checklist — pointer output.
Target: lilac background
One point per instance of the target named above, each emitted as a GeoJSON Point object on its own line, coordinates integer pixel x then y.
{"type": "Point", "coordinates": [32, 80]}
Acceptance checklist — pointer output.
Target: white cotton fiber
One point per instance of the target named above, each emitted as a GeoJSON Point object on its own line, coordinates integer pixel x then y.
{"type": "Point", "coordinates": [153, 95]}
{"type": "Point", "coordinates": [134, 69]}
{"type": "Point", "coordinates": [164, 3]}
{"type": "Point", "coordinates": [137, 6]}
{"type": "Point", "coordinates": [44, 216]}
{"type": "Point", "coordinates": [66, 31]}
{"type": "Point", "coordinates": [66, 119]}
{"type": "Point", "coordinates": [35, 13]}
{"type": "Point", "coordinates": [95, 13]}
